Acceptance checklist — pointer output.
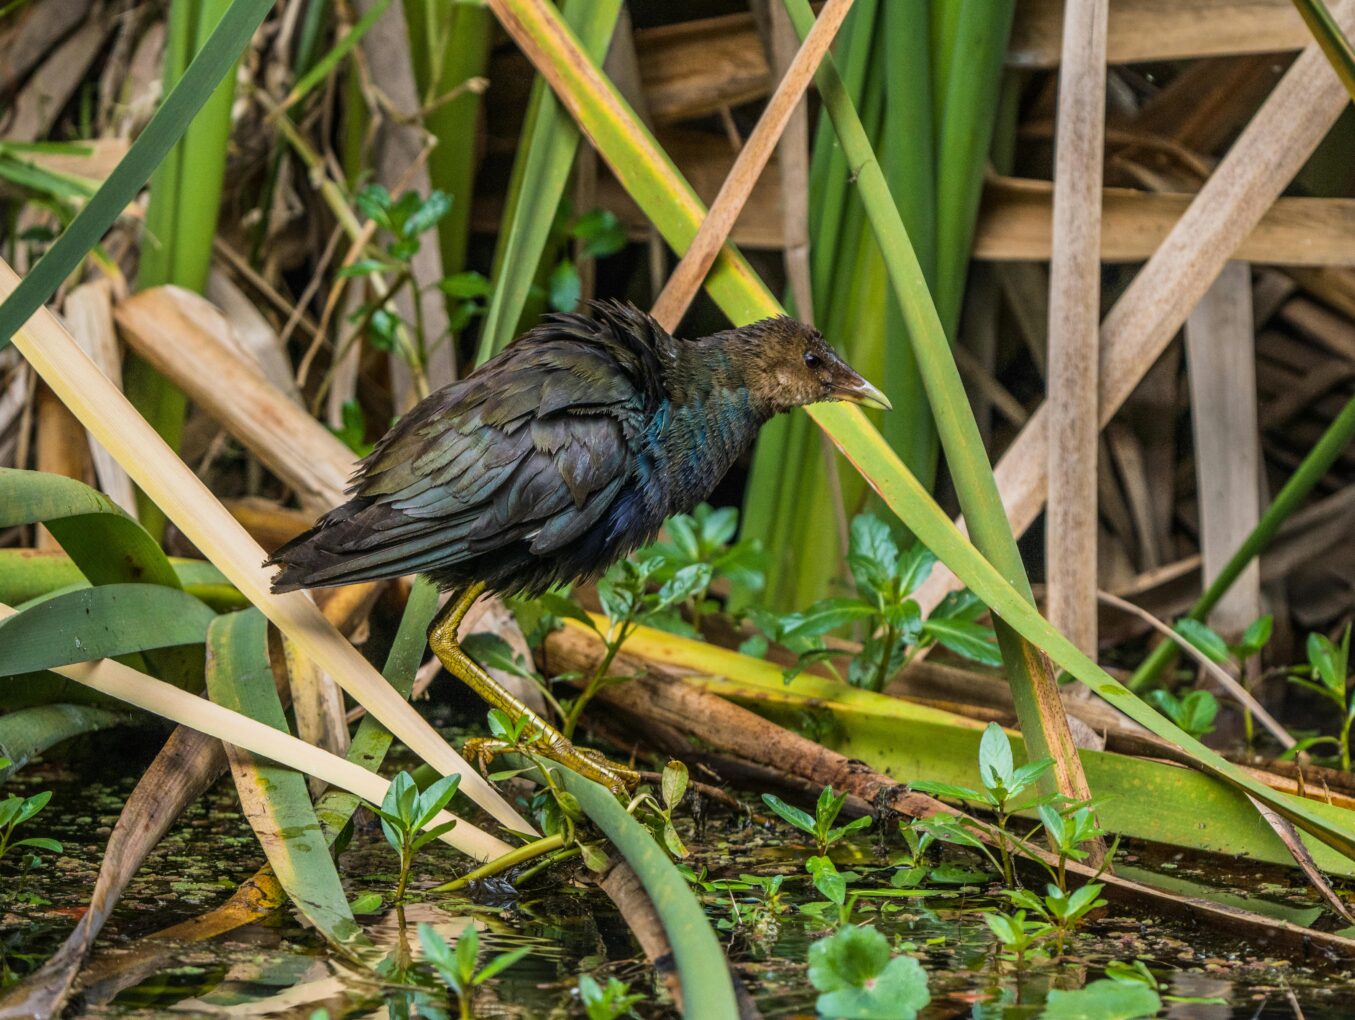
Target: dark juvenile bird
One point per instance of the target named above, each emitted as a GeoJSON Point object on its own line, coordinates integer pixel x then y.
{"type": "Point", "coordinates": [555, 459]}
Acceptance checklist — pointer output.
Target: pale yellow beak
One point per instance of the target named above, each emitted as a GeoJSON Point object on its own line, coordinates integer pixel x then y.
{"type": "Point", "coordinates": [858, 391]}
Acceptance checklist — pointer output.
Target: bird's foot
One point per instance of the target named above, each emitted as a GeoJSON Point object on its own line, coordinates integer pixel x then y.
{"type": "Point", "coordinates": [552, 744]}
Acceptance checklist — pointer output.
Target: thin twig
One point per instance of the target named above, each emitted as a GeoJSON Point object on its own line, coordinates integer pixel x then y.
{"type": "Point", "coordinates": [752, 159]}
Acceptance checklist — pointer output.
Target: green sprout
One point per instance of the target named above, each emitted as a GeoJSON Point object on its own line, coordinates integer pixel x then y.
{"type": "Point", "coordinates": [404, 814]}
{"type": "Point", "coordinates": [820, 824]}
{"type": "Point", "coordinates": [609, 1001]}
{"type": "Point", "coordinates": [15, 811]}
{"type": "Point", "coordinates": [883, 613]}
{"type": "Point", "coordinates": [1327, 674]}
{"type": "Point", "coordinates": [458, 966]}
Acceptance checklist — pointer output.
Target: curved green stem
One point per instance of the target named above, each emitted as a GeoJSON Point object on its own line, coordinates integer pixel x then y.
{"type": "Point", "coordinates": [512, 859]}
{"type": "Point", "coordinates": [707, 989]}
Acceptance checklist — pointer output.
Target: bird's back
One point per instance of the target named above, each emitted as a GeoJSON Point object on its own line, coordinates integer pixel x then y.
{"type": "Point", "coordinates": [543, 466]}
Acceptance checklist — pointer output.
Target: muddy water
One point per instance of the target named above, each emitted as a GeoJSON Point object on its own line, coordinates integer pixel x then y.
{"type": "Point", "coordinates": [278, 968]}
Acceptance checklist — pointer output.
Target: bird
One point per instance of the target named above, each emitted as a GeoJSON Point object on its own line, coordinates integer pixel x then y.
{"type": "Point", "coordinates": [556, 458]}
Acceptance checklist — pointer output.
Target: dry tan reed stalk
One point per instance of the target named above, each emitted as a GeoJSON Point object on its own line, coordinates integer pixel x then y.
{"type": "Point", "coordinates": [1074, 325]}
{"type": "Point", "coordinates": [1261, 163]}
{"type": "Point", "coordinates": [689, 273]}
{"type": "Point", "coordinates": [1016, 224]}
{"type": "Point", "coordinates": [250, 332]}
{"type": "Point", "coordinates": [168, 327]}
{"type": "Point", "coordinates": [88, 311]}
{"type": "Point", "coordinates": [105, 412]}
{"type": "Point", "coordinates": [1221, 357]}
{"type": "Point", "coordinates": [1153, 30]}
{"type": "Point", "coordinates": [126, 684]}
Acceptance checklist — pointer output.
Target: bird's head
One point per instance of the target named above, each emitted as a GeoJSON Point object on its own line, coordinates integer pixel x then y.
{"type": "Point", "coordinates": [793, 365]}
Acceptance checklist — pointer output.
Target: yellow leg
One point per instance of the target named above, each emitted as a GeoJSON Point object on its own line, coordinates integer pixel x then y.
{"type": "Point", "coordinates": [545, 739]}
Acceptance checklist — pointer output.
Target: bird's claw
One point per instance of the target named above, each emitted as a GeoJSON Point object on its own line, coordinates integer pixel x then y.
{"type": "Point", "coordinates": [585, 761]}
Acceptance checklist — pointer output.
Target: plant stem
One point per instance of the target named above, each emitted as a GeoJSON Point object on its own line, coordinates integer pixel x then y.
{"type": "Point", "coordinates": [549, 860]}
{"type": "Point", "coordinates": [406, 861]}
{"type": "Point", "coordinates": [595, 681]}
{"type": "Point", "coordinates": [886, 653]}
{"type": "Point", "coordinates": [498, 865]}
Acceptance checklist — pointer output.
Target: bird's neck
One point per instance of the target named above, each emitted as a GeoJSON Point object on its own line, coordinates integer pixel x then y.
{"type": "Point", "coordinates": [711, 421]}
{"type": "Point", "coordinates": [713, 372]}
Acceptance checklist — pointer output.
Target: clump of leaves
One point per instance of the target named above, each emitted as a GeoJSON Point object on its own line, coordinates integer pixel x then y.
{"type": "Point", "coordinates": [856, 975]}
{"type": "Point", "coordinates": [819, 826]}
{"type": "Point", "coordinates": [706, 536]}
{"type": "Point", "coordinates": [1216, 649]}
{"type": "Point", "coordinates": [1018, 936]}
{"type": "Point", "coordinates": [919, 835]}
{"type": "Point", "coordinates": [404, 813]}
{"type": "Point", "coordinates": [458, 966]}
{"type": "Point", "coordinates": [1002, 782]}
{"type": "Point", "coordinates": [405, 220]}
{"type": "Point", "coordinates": [658, 815]}
{"type": "Point", "coordinates": [609, 1001]}
{"type": "Point", "coordinates": [15, 811]}
{"type": "Point", "coordinates": [628, 602]}
{"type": "Point", "coordinates": [830, 883]}
{"type": "Point", "coordinates": [596, 234]}
{"type": "Point", "coordinates": [882, 613]}
{"type": "Point", "coordinates": [757, 912]}
{"type": "Point", "coordinates": [1327, 675]}
{"type": "Point", "coordinates": [1194, 711]}
{"type": "Point", "coordinates": [1060, 909]}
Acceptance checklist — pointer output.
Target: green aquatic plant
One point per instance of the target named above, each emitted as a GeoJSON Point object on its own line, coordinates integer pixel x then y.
{"type": "Point", "coordinates": [14, 812]}
{"type": "Point", "coordinates": [857, 975]}
{"type": "Point", "coordinates": [404, 814]}
{"type": "Point", "coordinates": [458, 967]}
{"type": "Point", "coordinates": [658, 812]}
{"type": "Point", "coordinates": [1002, 783]}
{"type": "Point", "coordinates": [883, 613]}
{"type": "Point", "coordinates": [609, 1001]}
{"type": "Point", "coordinates": [1327, 675]}
{"type": "Point", "coordinates": [1127, 992]}
{"type": "Point", "coordinates": [706, 536]}
{"type": "Point", "coordinates": [628, 602]}
{"type": "Point", "coordinates": [820, 824]}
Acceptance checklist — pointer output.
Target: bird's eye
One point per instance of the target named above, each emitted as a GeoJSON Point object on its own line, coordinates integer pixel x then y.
{"type": "Point", "coordinates": [811, 359]}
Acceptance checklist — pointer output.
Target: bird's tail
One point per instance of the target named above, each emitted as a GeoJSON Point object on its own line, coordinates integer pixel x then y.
{"type": "Point", "coordinates": [320, 557]}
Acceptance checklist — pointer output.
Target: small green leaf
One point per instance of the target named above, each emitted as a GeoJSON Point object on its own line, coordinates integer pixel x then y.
{"type": "Point", "coordinates": [674, 783]}
{"type": "Point", "coordinates": [1202, 637]}
{"type": "Point", "coordinates": [367, 903]}
{"type": "Point", "coordinates": [1256, 636]}
{"type": "Point", "coordinates": [938, 789]}
{"type": "Point", "coordinates": [827, 879]}
{"type": "Point", "coordinates": [594, 858]}
{"type": "Point", "coordinates": [965, 638]}
{"type": "Point", "coordinates": [995, 757]}
{"type": "Point", "coordinates": [469, 284]}
{"type": "Point", "coordinates": [564, 287]}
{"type": "Point", "coordinates": [800, 819]}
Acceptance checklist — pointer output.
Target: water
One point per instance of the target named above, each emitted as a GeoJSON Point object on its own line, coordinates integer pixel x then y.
{"type": "Point", "coordinates": [279, 968]}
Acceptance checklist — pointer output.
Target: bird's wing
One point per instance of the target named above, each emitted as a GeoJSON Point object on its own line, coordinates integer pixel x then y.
{"type": "Point", "coordinates": [534, 449]}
